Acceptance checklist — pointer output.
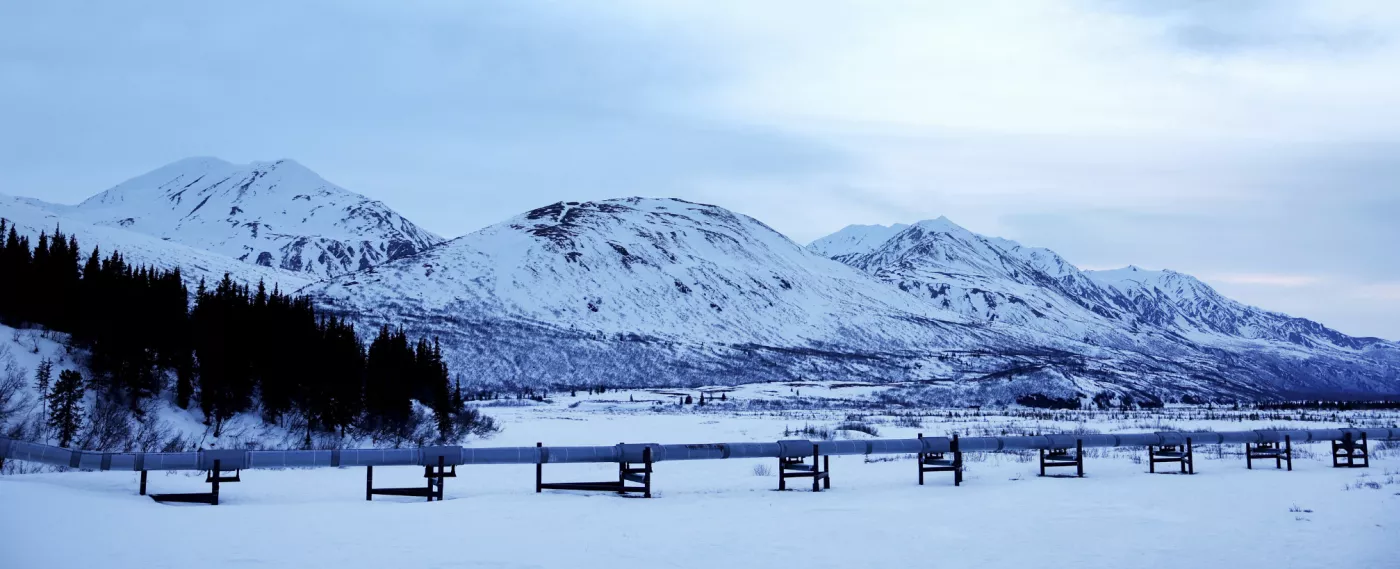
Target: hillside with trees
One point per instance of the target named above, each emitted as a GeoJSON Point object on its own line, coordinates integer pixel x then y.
{"type": "Point", "coordinates": [227, 349]}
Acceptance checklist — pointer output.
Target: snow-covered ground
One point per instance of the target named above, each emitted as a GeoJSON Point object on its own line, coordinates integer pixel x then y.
{"type": "Point", "coordinates": [727, 512]}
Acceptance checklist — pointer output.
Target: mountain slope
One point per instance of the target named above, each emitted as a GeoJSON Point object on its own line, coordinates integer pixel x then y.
{"type": "Point", "coordinates": [30, 217]}
{"type": "Point", "coordinates": [665, 268]}
{"type": "Point", "coordinates": [664, 292]}
{"type": "Point", "coordinates": [1159, 313]}
{"type": "Point", "coordinates": [660, 292]}
{"type": "Point", "coordinates": [273, 214]}
{"type": "Point", "coordinates": [854, 240]}
{"type": "Point", "coordinates": [993, 280]}
{"type": "Point", "coordinates": [1181, 302]}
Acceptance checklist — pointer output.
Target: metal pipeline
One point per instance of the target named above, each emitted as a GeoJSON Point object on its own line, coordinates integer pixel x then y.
{"type": "Point", "coordinates": [456, 455]}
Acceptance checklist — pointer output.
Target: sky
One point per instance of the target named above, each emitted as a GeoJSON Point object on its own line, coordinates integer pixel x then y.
{"type": "Point", "coordinates": [1252, 143]}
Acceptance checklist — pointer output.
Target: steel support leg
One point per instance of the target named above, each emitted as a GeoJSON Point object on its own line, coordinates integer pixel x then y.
{"type": "Point", "coordinates": [216, 476]}
{"type": "Point", "coordinates": [1288, 450]}
{"type": "Point", "coordinates": [1079, 456]}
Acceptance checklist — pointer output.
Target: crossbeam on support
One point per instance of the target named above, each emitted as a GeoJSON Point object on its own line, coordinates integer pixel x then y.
{"type": "Point", "coordinates": [639, 478]}
{"type": "Point", "coordinates": [1270, 450]}
{"type": "Point", "coordinates": [938, 462]}
{"type": "Point", "coordinates": [796, 467]}
{"type": "Point", "coordinates": [1351, 453]}
{"type": "Point", "coordinates": [1183, 455]}
{"type": "Point", "coordinates": [213, 477]}
{"type": "Point", "coordinates": [434, 489]}
{"type": "Point", "coordinates": [1061, 457]}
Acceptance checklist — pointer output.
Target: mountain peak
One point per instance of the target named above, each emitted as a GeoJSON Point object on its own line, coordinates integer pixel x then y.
{"type": "Point", "coordinates": [855, 240]}
{"type": "Point", "coordinates": [274, 213]}
{"type": "Point", "coordinates": [942, 224]}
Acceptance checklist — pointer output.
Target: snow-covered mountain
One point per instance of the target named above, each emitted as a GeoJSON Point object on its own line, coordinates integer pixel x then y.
{"type": "Point", "coordinates": [990, 280]}
{"type": "Point", "coordinates": [626, 285]}
{"type": "Point", "coordinates": [854, 240]}
{"type": "Point", "coordinates": [1000, 282]}
{"type": "Point", "coordinates": [642, 291]}
{"type": "Point", "coordinates": [636, 291]}
{"type": "Point", "coordinates": [30, 217]}
{"type": "Point", "coordinates": [1182, 303]}
{"type": "Point", "coordinates": [274, 214]}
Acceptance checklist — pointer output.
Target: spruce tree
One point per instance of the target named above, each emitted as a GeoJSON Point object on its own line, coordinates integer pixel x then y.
{"type": "Point", "coordinates": [66, 406]}
{"type": "Point", "coordinates": [43, 373]}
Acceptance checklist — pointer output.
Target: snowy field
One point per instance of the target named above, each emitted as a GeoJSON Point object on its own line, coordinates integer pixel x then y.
{"type": "Point", "coordinates": [728, 513]}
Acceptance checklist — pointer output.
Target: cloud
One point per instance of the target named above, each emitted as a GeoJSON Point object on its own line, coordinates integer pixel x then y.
{"type": "Point", "coordinates": [457, 114]}
{"type": "Point", "coordinates": [1249, 137]}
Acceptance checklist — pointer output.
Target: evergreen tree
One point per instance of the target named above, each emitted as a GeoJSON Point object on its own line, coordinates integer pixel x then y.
{"type": "Point", "coordinates": [234, 348]}
{"type": "Point", "coordinates": [66, 406]}
{"type": "Point", "coordinates": [43, 373]}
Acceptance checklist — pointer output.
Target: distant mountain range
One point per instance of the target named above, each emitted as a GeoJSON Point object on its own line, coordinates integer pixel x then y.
{"type": "Point", "coordinates": [641, 291]}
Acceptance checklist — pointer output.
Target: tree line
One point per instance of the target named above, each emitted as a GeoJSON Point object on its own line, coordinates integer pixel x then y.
{"type": "Point", "coordinates": [234, 349]}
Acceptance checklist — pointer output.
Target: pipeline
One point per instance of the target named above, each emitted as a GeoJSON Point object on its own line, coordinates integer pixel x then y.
{"type": "Point", "coordinates": [633, 453]}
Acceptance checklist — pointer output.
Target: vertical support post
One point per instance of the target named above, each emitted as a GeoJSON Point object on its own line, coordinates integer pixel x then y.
{"type": "Point", "coordinates": [1190, 458]}
{"type": "Point", "coordinates": [428, 475]}
{"type": "Point", "coordinates": [1248, 456]}
{"type": "Point", "coordinates": [539, 468]}
{"type": "Point", "coordinates": [369, 483]}
{"type": "Point", "coordinates": [1349, 446]}
{"type": "Point", "coordinates": [1042, 462]}
{"type": "Point", "coordinates": [826, 467]}
{"type": "Point", "coordinates": [957, 461]}
{"type": "Point", "coordinates": [1151, 465]}
{"type": "Point", "coordinates": [646, 477]}
{"type": "Point", "coordinates": [621, 475]}
{"type": "Point", "coordinates": [1288, 450]}
{"type": "Point", "coordinates": [442, 482]}
{"type": "Point", "coordinates": [816, 468]}
{"type": "Point", "coordinates": [1365, 452]}
{"type": "Point", "coordinates": [1079, 456]}
{"type": "Point", "coordinates": [920, 459]}
{"type": "Point", "coordinates": [216, 474]}
{"type": "Point", "coordinates": [143, 482]}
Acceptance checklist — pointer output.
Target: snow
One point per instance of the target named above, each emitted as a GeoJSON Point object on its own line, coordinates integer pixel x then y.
{"type": "Point", "coordinates": [274, 214]}
{"type": "Point", "coordinates": [855, 240]}
{"type": "Point", "coordinates": [139, 249]}
{"type": "Point", "coordinates": [1012, 288]}
{"type": "Point", "coordinates": [720, 513]}
{"type": "Point", "coordinates": [640, 291]}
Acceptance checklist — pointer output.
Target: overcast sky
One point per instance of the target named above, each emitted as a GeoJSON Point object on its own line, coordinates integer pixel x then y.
{"type": "Point", "coordinates": [1255, 144]}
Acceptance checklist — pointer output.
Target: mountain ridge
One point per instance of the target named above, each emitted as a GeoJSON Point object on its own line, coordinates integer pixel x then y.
{"type": "Point", "coordinates": [275, 214]}
{"type": "Point", "coordinates": [665, 292]}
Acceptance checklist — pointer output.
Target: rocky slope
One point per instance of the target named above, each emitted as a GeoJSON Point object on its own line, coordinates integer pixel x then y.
{"type": "Point", "coordinates": [272, 214]}
{"type": "Point", "coordinates": [1000, 282]}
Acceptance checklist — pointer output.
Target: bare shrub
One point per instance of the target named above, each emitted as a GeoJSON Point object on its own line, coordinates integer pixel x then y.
{"type": "Point", "coordinates": [15, 402]}
{"type": "Point", "coordinates": [762, 469]}
{"type": "Point", "coordinates": [910, 421]}
{"type": "Point", "coordinates": [109, 426]}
